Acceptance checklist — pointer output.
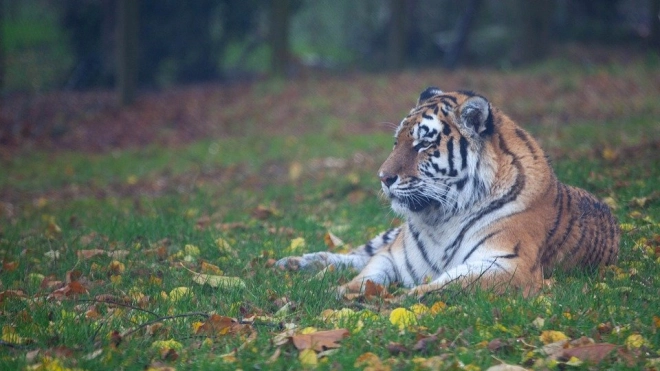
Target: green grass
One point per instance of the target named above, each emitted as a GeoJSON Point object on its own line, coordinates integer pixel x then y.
{"type": "Point", "coordinates": [140, 200]}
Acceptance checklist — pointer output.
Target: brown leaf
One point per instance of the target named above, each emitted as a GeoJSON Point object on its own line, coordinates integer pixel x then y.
{"type": "Point", "coordinates": [395, 349]}
{"type": "Point", "coordinates": [372, 290]}
{"type": "Point", "coordinates": [87, 254]}
{"type": "Point", "coordinates": [9, 266]}
{"type": "Point", "coordinates": [221, 325]}
{"type": "Point", "coordinates": [320, 340]}
{"type": "Point", "coordinates": [71, 289]}
{"type": "Point", "coordinates": [11, 294]}
{"type": "Point", "coordinates": [424, 343]}
{"type": "Point", "coordinates": [594, 353]}
{"type": "Point", "coordinates": [262, 212]}
{"type": "Point", "coordinates": [332, 241]}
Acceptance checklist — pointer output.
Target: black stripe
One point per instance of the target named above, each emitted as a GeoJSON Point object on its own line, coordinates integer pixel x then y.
{"type": "Point", "coordinates": [411, 270]}
{"type": "Point", "coordinates": [424, 115]}
{"type": "Point", "coordinates": [515, 254]}
{"type": "Point", "coordinates": [523, 136]}
{"type": "Point", "coordinates": [369, 248]}
{"type": "Point", "coordinates": [450, 156]}
{"type": "Point", "coordinates": [559, 205]}
{"type": "Point", "coordinates": [422, 249]}
{"type": "Point", "coordinates": [446, 129]}
{"type": "Point", "coordinates": [510, 196]}
{"type": "Point", "coordinates": [478, 245]}
{"type": "Point", "coordinates": [461, 183]}
{"type": "Point", "coordinates": [443, 97]}
{"type": "Point", "coordinates": [552, 249]}
{"type": "Point", "coordinates": [463, 149]}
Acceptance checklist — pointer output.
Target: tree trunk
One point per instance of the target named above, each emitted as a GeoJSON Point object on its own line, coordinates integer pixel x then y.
{"type": "Point", "coordinates": [398, 35]}
{"type": "Point", "coordinates": [2, 47]}
{"type": "Point", "coordinates": [463, 29]}
{"type": "Point", "coordinates": [655, 24]}
{"type": "Point", "coordinates": [279, 37]}
{"type": "Point", "coordinates": [127, 50]}
{"type": "Point", "coordinates": [534, 31]}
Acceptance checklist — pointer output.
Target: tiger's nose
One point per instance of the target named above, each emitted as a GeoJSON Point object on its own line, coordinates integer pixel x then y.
{"type": "Point", "coordinates": [387, 179]}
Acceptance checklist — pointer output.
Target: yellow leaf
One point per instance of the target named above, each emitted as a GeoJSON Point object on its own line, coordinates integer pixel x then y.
{"type": "Point", "coordinates": [611, 202]}
{"type": "Point", "coordinates": [403, 318]}
{"type": "Point", "coordinates": [626, 227]}
{"type": "Point", "coordinates": [295, 170]}
{"type": "Point", "coordinates": [9, 335]}
{"type": "Point", "coordinates": [191, 250]}
{"type": "Point", "coordinates": [419, 309]}
{"type": "Point", "coordinates": [296, 245]}
{"type": "Point", "coordinates": [218, 281]}
{"type": "Point", "coordinates": [367, 359]}
{"type": "Point", "coordinates": [551, 336]}
{"type": "Point", "coordinates": [438, 307]}
{"type": "Point", "coordinates": [178, 293]}
{"type": "Point", "coordinates": [116, 267]}
{"type": "Point", "coordinates": [167, 344]}
{"type": "Point", "coordinates": [211, 269]}
{"type": "Point", "coordinates": [224, 246]}
{"type": "Point", "coordinates": [635, 341]}
{"type": "Point", "coordinates": [308, 330]}
{"type": "Point", "coordinates": [132, 179]}
{"type": "Point", "coordinates": [308, 357]}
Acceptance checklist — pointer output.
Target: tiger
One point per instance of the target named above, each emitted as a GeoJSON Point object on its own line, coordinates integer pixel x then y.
{"type": "Point", "coordinates": [481, 205]}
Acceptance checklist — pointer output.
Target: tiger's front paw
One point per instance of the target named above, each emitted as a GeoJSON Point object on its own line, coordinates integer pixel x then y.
{"type": "Point", "coordinates": [314, 261]}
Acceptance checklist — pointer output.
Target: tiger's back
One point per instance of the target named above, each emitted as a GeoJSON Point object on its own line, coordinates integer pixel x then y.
{"type": "Point", "coordinates": [481, 204]}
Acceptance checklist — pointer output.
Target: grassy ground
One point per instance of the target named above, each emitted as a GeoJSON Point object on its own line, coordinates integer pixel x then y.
{"type": "Point", "coordinates": [98, 250]}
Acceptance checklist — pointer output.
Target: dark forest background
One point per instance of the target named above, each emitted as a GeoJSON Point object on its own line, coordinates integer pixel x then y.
{"type": "Point", "coordinates": [134, 45]}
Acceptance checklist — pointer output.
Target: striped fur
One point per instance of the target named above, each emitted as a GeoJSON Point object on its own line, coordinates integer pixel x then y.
{"type": "Point", "coordinates": [481, 203]}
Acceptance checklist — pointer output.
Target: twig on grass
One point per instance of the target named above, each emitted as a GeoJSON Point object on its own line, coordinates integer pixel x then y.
{"type": "Point", "coordinates": [120, 305]}
{"type": "Point", "coordinates": [161, 319]}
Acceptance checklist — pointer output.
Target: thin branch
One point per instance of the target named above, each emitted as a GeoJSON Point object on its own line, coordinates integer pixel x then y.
{"type": "Point", "coordinates": [121, 305]}
{"type": "Point", "coordinates": [190, 314]}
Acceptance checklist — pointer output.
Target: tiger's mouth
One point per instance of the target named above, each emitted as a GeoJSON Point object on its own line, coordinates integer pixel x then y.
{"type": "Point", "coordinates": [414, 203]}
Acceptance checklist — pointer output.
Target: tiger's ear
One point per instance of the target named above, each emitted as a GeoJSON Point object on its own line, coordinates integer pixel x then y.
{"type": "Point", "coordinates": [476, 116]}
{"type": "Point", "coordinates": [427, 94]}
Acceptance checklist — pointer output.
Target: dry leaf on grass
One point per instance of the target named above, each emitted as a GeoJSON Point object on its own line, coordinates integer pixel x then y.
{"type": "Point", "coordinates": [216, 281]}
{"type": "Point", "coordinates": [221, 325]}
{"type": "Point", "coordinates": [319, 341]}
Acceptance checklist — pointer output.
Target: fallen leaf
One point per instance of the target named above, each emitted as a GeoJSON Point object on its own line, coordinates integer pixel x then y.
{"type": "Point", "coordinates": [11, 294]}
{"type": "Point", "coordinates": [594, 353]}
{"type": "Point", "coordinates": [332, 241]}
{"type": "Point", "coordinates": [87, 254]}
{"type": "Point", "coordinates": [71, 289]}
{"type": "Point", "coordinates": [320, 340]}
{"type": "Point", "coordinates": [221, 325]}
{"type": "Point", "coordinates": [506, 367]}
{"type": "Point", "coordinates": [395, 349]}
{"type": "Point", "coordinates": [551, 336]}
{"type": "Point", "coordinates": [179, 293]}
{"type": "Point", "coordinates": [308, 357]}
{"type": "Point", "coordinates": [218, 281]}
{"type": "Point", "coordinates": [403, 318]}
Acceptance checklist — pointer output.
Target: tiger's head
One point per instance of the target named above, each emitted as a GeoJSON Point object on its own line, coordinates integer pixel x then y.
{"type": "Point", "coordinates": [435, 164]}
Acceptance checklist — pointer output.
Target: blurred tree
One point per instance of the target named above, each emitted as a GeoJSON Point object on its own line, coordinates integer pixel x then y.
{"type": "Point", "coordinates": [2, 47]}
{"type": "Point", "coordinates": [127, 50]}
{"type": "Point", "coordinates": [533, 41]}
{"type": "Point", "coordinates": [280, 12]}
{"type": "Point", "coordinates": [655, 23]}
{"type": "Point", "coordinates": [398, 35]}
{"type": "Point", "coordinates": [463, 29]}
